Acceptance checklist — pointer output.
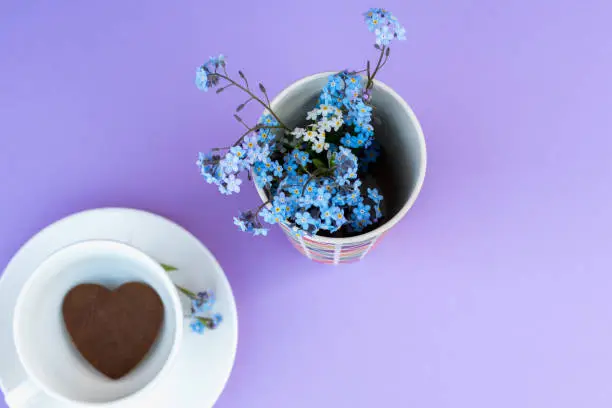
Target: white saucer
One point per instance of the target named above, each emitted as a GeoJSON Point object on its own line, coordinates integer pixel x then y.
{"type": "Point", "coordinates": [204, 362]}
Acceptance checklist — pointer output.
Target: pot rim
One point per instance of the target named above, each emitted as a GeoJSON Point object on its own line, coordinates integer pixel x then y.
{"type": "Point", "coordinates": [378, 231]}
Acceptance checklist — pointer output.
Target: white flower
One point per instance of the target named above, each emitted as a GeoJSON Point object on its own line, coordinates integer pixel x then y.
{"type": "Point", "coordinates": [312, 115]}
{"type": "Point", "coordinates": [337, 112]}
{"type": "Point", "coordinates": [337, 123]}
{"type": "Point", "coordinates": [383, 35]}
{"type": "Point", "coordinates": [325, 110]}
{"type": "Point", "coordinates": [298, 132]}
{"type": "Point", "coordinates": [324, 125]}
{"type": "Point", "coordinates": [318, 146]}
{"type": "Point", "coordinates": [260, 154]}
{"type": "Point", "coordinates": [231, 163]}
{"type": "Point", "coordinates": [233, 184]}
{"type": "Point", "coordinates": [310, 136]}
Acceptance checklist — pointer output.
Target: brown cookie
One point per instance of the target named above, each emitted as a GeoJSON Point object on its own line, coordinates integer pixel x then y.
{"type": "Point", "coordinates": [113, 330]}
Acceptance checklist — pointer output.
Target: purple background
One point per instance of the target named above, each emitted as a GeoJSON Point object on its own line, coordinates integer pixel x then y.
{"type": "Point", "coordinates": [495, 291]}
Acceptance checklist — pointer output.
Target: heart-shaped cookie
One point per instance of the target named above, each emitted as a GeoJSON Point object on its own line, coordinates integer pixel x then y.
{"type": "Point", "coordinates": [113, 330]}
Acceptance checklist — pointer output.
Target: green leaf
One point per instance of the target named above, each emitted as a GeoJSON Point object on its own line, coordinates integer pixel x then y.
{"type": "Point", "coordinates": [186, 292]}
{"type": "Point", "coordinates": [318, 163]}
{"type": "Point", "coordinates": [168, 268]}
{"type": "Point", "coordinates": [206, 321]}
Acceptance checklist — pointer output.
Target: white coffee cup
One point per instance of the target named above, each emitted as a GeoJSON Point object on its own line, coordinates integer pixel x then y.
{"type": "Point", "coordinates": [53, 365]}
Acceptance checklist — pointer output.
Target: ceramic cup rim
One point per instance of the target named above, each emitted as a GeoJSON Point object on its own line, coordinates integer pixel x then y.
{"type": "Point", "coordinates": [378, 231]}
{"type": "Point", "coordinates": [155, 268]}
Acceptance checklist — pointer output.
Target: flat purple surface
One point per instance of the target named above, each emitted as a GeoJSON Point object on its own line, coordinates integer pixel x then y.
{"type": "Point", "coordinates": [495, 291]}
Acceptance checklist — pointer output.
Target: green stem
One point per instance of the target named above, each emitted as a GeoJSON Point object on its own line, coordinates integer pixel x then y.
{"type": "Point", "coordinates": [313, 176]}
{"type": "Point", "coordinates": [248, 91]}
{"type": "Point", "coordinates": [168, 268]}
{"type": "Point", "coordinates": [256, 127]}
{"type": "Point", "coordinates": [209, 323]}
{"type": "Point", "coordinates": [384, 62]}
{"type": "Point", "coordinates": [261, 206]}
{"type": "Point", "coordinates": [378, 66]}
{"type": "Point", "coordinates": [186, 292]}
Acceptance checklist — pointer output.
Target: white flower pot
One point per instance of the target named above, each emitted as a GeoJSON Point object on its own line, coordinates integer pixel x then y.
{"type": "Point", "coordinates": [401, 139]}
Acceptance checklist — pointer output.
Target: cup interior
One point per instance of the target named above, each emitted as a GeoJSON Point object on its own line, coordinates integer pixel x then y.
{"type": "Point", "coordinates": [43, 343]}
{"type": "Point", "coordinates": [400, 170]}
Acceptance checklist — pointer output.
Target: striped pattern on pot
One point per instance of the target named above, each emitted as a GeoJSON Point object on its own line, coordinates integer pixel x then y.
{"type": "Point", "coordinates": [331, 253]}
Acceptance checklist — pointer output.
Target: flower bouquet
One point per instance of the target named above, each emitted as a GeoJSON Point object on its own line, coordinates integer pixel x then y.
{"type": "Point", "coordinates": [317, 153]}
